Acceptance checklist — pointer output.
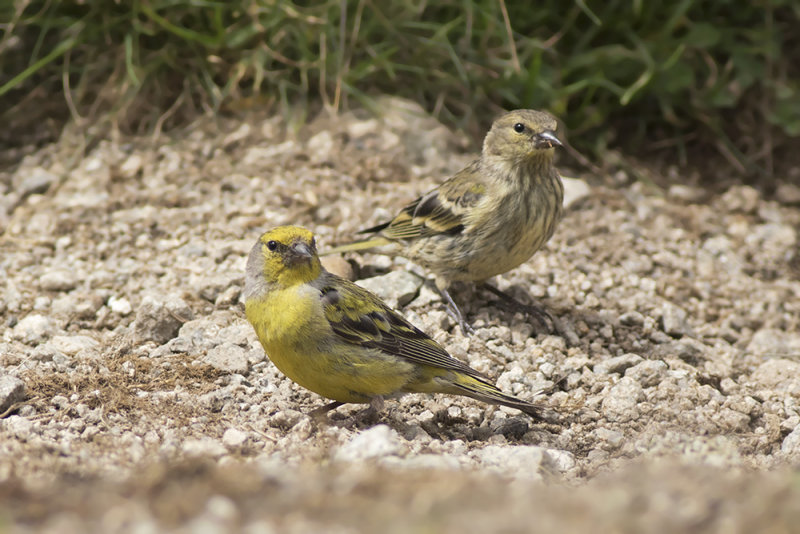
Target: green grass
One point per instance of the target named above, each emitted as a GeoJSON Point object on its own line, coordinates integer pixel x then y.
{"type": "Point", "coordinates": [643, 76]}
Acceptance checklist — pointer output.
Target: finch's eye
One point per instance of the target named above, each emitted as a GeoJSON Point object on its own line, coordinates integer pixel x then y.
{"type": "Point", "coordinates": [519, 127]}
{"type": "Point", "coordinates": [313, 242]}
{"type": "Point", "coordinates": [272, 245]}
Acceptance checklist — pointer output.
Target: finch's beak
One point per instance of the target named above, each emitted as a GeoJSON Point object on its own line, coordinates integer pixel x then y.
{"type": "Point", "coordinates": [546, 139]}
{"type": "Point", "coordinates": [299, 253]}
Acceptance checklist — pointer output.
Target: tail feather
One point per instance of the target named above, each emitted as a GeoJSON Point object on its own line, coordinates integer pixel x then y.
{"type": "Point", "coordinates": [485, 392]}
{"type": "Point", "coordinates": [357, 246]}
{"type": "Point", "coordinates": [375, 229]}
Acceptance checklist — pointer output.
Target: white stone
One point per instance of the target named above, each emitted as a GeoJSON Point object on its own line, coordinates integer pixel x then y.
{"type": "Point", "coordinates": [33, 181]}
{"type": "Point", "coordinates": [611, 438]}
{"type": "Point", "coordinates": [771, 343]}
{"type": "Point", "coordinates": [620, 402]}
{"type": "Point", "coordinates": [320, 146]}
{"type": "Point", "coordinates": [160, 318]}
{"type": "Point", "coordinates": [396, 288]}
{"type": "Point", "coordinates": [203, 447]}
{"type": "Point", "coordinates": [233, 438]}
{"type": "Point", "coordinates": [33, 328]}
{"type": "Point", "coordinates": [377, 442]}
{"type": "Point", "coordinates": [778, 374]}
{"type": "Point", "coordinates": [58, 280]}
{"type": "Point", "coordinates": [227, 357]}
{"type": "Point", "coordinates": [119, 305]}
{"type": "Point", "coordinates": [523, 461]}
{"type": "Point", "coordinates": [617, 364]}
{"type": "Point", "coordinates": [72, 345]}
{"type": "Point", "coordinates": [563, 460]}
{"type": "Point", "coordinates": [648, 373]}
{"type": "Point", "coordinates": [574, 190]}
{"type": "Point", "coordinates": [430, 462]}
{"type": "Point", "coordinates": [788, 194]}
{"type": "Point", "coordinates": [18, 426]}
{"type": "Point", "coordinates": [12, 390]}
{"type": "Point", "coordinates": [674, 319]}
{"type": "Point", "coordinates": [791, 444]}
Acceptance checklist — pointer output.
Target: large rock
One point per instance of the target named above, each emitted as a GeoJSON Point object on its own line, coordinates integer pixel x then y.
{"type": "Point", "coordinates": [34, 329]}
{"type": "Point", "coordinates": [160, 320]}
{"type": "Point", "coordinates": [12, 390]}
{"type": "Point", "coordinates": [772, 343]}
{"type": "Point", "coordinates": [58, 280]}
{"type": "Point", "coordinates": [228, 358]}
{"type": "Point", "coordinates": [396, 288]}
{"type": "Point", "coordinates": [377, 442]}
{"type": "Point", "coordinates": [34, 181]}
{"type": "Point", "coordinates": [617, 364]}
{"type": "Point", "coordinates": [574, 190]}
{"type": "Point", "coordinates": [620, 404]}
{"type": "Point", "coordinates": [778, 374]}
{"type": "Point", "coordinates": [524, 461]}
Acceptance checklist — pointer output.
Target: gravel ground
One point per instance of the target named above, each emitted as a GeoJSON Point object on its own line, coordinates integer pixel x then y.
{"type": "Point", "coordinates": [135, 396]}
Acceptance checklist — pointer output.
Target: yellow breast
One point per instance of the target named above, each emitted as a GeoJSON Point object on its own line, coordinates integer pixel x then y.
{"type": "Point", "coordinates": [298, 339]}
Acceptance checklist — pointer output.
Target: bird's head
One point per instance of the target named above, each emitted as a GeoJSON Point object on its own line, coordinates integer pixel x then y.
{"type": "Point", "coordinates": [284, 256]}
{"type": "Point", "coordinates": [522, 134]}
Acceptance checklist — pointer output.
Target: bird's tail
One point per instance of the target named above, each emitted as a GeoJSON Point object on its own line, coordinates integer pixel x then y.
{"type": "Point", "coordinates": [356, 246]}
{"type": "Point", "coordinates": [487, 392]}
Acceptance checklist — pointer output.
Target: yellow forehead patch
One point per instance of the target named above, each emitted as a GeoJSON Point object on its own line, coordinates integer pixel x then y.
{"type": "Point", "coordinates": [287, 234]}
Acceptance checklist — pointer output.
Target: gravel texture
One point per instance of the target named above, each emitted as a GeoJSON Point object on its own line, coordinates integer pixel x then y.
{"type": "Point", "coordinates": [128, 366]}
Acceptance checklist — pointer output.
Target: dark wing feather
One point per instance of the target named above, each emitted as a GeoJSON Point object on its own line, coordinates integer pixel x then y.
{"type": "Point", "coordinates": [359, 317]}
{"type": "Point", "coordinates": [440, 211]}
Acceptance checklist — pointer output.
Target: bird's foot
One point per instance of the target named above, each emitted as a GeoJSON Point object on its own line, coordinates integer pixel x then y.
{"type": "Point", "coordinates": [455, 313]}
{"type": "Point", "coordinates": [371, 414]}
{"type": "Point", "coordinates": [376, 403]}
{"type": "Point", "coordinates": [539, 313]}
{"type": "Point", "coordinates": [320, 414]}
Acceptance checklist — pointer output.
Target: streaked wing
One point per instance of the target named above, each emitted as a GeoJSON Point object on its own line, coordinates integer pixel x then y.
{"type": "Point", "coordinates": [359, 317]}
{"type": "Point", "coordinates": [441, 211]}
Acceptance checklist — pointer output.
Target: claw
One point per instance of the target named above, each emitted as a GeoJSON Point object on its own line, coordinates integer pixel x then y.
{"type": "Point", "coordinates": [455, 313]}
{"type": "Point", "coordinates": [318, 414]}
{"type": "Point", "coordinates": [539, 313]}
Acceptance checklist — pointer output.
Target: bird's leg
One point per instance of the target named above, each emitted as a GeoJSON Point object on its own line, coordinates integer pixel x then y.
{"type": "Point", "coordinates": [373, 411]}
{"type": "Point", "coordinates": [455, 313]}
{"type": "Point", "coordinates": [539, 313]}
{"type": "Point", "coordinates": [319, 413]}
{"type": "Point", "coordinates": [376, 403]}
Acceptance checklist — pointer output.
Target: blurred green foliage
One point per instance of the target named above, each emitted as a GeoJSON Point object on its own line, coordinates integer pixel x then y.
{"type": "Point", "coordinates": [642, 75]}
